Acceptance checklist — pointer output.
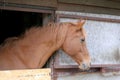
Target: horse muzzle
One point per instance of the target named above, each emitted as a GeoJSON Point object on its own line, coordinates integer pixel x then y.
{"type": "Point", "coordinates": [84, 66]}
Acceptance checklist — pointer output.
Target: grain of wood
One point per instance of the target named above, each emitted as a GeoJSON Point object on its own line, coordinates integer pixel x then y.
{"type": "Point", "coordinates": [29, 74]}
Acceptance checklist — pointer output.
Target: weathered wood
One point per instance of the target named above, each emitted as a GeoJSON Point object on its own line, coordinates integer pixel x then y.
{"type": "Point", "coordinates": [101, 3]}
{"type": "Point", "coordinates": [87, 9]}
{"type": "Point", "coordinates": [29, 74]}
{"type": "Point", "coordinates": [65, 6]}
{"type": "Point", "coordinates": [48, 3]}
{"type": "Point", "coordinates": [88, 76]}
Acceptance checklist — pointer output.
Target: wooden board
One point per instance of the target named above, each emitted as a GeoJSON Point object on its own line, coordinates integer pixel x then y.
{"type": "Point", "coordinates": [99, 3]}
{"type": "Point", "coordinates": [89, 76]}
{"type": "Point", "coordinates": [30, 74]}
{"type": "Point", "coordinates": [47, 3]}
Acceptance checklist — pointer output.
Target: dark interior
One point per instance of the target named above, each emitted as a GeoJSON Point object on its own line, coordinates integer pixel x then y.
{"type": "Point", "coordinates": [14, 23]}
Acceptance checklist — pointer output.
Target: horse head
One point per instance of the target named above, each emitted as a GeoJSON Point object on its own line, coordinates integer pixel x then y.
{"type": "Point", "coordinates": [75, 44]}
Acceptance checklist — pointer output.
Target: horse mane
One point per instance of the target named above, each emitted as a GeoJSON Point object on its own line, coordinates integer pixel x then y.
{"type": "Point", "coordinates": [32, 32]}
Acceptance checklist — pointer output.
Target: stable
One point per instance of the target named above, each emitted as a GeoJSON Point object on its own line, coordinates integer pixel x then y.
{"type": "Point", "coordinates": [102, 29]}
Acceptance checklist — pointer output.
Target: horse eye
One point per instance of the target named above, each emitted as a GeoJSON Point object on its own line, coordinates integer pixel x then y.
{"type": "Point", "coordinates": [82, 40]}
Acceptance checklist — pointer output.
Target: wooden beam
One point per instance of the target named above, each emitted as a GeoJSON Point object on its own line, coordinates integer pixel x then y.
{"type": "Point", "coordinates": [47, 3]}
{"type": "Point", "coordinates": [100, 3]}
{"type": "Point", "coordinates": [87, 9]}
{"type": "Point", "coordinates": [27, 74]}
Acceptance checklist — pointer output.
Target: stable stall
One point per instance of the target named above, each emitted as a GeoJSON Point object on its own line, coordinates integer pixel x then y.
{"type": "Point", "coordinates": [102, 28]}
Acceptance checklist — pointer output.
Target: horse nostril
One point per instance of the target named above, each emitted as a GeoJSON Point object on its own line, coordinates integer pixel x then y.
{"type": "Point", "coordinates": [84, 66]}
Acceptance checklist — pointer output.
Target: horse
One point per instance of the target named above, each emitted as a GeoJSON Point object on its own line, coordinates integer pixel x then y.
{"type": "Point", "coordinates": [36, 45]}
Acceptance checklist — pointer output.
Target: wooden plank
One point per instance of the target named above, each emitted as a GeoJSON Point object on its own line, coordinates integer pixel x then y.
{"type": "Point", "coordinates": [29, 74]}
{"type": "Point", "coordinates": [87, 9]}
{"type": "Point", "coordinates": [101, 3]}
{"type": "Point", "coordinates": [47, 3]}
{"type": "Point", "coordinates": [88, 76]}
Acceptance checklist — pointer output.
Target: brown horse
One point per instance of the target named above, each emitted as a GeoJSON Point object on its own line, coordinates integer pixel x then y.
{"type": "Point", "coordinates": [36, 45]}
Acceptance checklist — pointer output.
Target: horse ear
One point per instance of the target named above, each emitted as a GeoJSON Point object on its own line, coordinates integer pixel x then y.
{"type": "Point", "coordinates": [81, 23]}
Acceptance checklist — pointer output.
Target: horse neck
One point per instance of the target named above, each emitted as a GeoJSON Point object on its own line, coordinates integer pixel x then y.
{"type": "Point", "coordinates": [41, 44]}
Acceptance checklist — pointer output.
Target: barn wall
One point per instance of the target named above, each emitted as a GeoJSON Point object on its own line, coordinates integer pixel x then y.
{"type": "Point", "coordinates": [89, 6]}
